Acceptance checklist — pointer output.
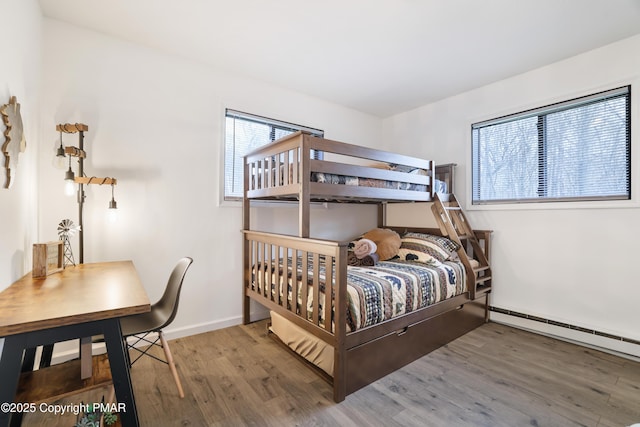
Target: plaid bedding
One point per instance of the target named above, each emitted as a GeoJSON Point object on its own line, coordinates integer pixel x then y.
{"type": "Point", "coordinates": [383, 291]}
{"type": "Point", "coordinates": [329, 178]}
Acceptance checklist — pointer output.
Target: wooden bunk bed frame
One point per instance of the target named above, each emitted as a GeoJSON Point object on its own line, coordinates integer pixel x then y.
{"type": "Point", "coordinates": [367, 354]}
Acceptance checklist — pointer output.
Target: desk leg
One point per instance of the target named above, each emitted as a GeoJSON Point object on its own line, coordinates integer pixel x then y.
{"type": "Point", "coordinates": [10, 362]}
{"type": "Point", "coordinates": [28, 361]}
{"type": "Point", "coordinates": [119, 362]}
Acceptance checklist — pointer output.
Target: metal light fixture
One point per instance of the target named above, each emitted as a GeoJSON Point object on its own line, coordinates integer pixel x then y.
{"type": "Point", "coordinates": [81, 179]}
{"type": "Point", "coordinates": [69, 179]}
{"type": "Point", "coordinates": [113, 207]}
{"type": "Point", "coordinates": [58, 160]}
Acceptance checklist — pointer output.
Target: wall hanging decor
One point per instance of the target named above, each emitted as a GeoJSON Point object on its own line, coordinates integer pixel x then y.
{"type": "Point", "coordinates": [14, 142]}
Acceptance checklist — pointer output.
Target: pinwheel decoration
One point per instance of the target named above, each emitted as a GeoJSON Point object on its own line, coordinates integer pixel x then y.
{"type": "Point", "coordinates": [67, 229]}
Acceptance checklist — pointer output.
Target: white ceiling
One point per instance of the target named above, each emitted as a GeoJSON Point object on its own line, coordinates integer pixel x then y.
{"type": "Point", "coordinates": [378, 56]}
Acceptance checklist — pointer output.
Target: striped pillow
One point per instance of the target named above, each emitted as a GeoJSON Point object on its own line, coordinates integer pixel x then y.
{"type": "Point", "coordinates": [426, 248]}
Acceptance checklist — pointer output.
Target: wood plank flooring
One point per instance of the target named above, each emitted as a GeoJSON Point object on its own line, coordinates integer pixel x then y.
{"type": "Point", "coordinates": [493, 376]}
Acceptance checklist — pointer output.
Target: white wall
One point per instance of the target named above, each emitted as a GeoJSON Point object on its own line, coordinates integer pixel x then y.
{"type": "Point", "coordinates": [19, 77]}
{"type": "Point", "coordinates": [156, 124]}
{"type": "Point", "coordinates": [570, 263]}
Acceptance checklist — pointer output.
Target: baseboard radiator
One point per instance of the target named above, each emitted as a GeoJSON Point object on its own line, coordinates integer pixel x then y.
{"type": "Point", "coordinates": [562, 325]}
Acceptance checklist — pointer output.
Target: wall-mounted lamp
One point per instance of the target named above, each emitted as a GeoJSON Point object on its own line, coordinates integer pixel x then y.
{"type": "Point", "coordinates": [113, 207]}
{"type": "Point", "coordinates": [58, 160]}
{"type": "Point", "coordinates": [69, 180]}
{"type": "Point", "coordinates": [81, 179]}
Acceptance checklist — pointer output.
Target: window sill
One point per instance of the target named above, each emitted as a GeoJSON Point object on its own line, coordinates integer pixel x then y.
{"type": "Point", "coordinates": [524, 206]}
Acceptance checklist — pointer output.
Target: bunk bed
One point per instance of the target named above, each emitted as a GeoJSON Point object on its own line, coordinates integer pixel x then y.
{"type": "Point", "coordinates": [306, 282]}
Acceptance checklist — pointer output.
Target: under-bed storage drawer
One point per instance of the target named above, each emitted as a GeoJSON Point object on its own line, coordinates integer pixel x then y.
{"type": "Point", "coordinates": [375, 359]}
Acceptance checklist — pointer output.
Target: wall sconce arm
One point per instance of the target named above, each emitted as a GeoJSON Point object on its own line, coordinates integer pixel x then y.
{"type": "Point", "coordinates": [72, 128]}
{"type": "Point", "coordinates": [95, 180]}
{"type": "Point", "coordinates": [75, 152]}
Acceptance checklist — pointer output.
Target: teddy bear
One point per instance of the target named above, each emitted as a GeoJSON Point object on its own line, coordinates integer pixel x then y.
{"type": "Point", "coordinates": [387, 242]}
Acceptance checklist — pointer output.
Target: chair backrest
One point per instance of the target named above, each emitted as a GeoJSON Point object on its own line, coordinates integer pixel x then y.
{"type": "Point", "coordinates": [167, 306]}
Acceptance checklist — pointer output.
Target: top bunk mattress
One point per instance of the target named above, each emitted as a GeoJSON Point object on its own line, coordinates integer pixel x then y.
{"type": "Point", "coordinates": [300, 166]}
{"type": "Point", "coordinates": [326, 186]}
{"type": "Point", "coordinates": [337, 179]}
{"type": "Point", "coordinates": [330, 178]}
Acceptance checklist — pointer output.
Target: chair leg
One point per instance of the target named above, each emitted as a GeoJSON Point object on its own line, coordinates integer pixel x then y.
{"type": "Point", "coordinates": [172, 365]}
{"type": "Point", "coordinates": [86, 362]}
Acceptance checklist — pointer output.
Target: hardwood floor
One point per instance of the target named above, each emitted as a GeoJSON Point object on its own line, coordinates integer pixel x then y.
{"type": "Point", "coordinates": [493, 376]}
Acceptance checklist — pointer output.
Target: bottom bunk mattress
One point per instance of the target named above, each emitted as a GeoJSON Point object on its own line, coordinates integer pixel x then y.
{"type": "Point", "coordinates": [393, 288]}
{"type": "Point", "coordinates": [377, 293]}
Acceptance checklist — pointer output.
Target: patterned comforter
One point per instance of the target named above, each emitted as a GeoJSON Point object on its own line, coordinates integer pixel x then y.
{"type": "Point", "coordinates": [383, 291]}
{"type": "Point", "coordinates": [329, 178]}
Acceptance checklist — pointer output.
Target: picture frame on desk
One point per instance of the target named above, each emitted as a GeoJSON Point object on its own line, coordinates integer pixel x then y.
{"type": "Point", "coordinates": [48, 258]}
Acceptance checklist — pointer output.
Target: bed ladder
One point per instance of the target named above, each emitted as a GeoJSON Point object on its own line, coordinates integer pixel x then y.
{"type": "Point", "coordinates": [454, 224]}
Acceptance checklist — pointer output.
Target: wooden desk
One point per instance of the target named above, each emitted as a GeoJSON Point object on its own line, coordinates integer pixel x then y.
{"type": "Point", "coordinates": [80, 301]}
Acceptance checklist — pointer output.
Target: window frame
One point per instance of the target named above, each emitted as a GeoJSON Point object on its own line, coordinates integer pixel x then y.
{"type": "Point", "coordinates": [542, 112]}
{"type": "Point", "coordinates": [274, 124]}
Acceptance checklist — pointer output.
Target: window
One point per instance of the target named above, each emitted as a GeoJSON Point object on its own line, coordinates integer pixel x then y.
{"type": "Point", "coordinates": [574, 150]}
{"type": "Point", "coordinates": [244, 133]}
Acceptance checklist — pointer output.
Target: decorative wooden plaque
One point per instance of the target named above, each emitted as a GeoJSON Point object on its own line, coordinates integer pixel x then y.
{"type": "Point", "coordinates": [15, 142]}
{"type": "Point", "coordinates": [47, 258]}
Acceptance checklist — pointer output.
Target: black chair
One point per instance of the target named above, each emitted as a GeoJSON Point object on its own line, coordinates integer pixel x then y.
{"type": "Point", "coordinates": [161, 315]}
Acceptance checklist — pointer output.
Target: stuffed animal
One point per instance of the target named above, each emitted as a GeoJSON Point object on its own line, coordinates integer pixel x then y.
{"type": "Point", "coordinates": [364, 247]}
{"type": "Point", "coordinates": [362, 253]}
{"type": "Point", "coordinates": [387, 242]}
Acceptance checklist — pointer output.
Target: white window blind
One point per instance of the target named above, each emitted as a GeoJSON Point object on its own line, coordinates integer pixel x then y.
{"type": "Point", "coordinates": [244, 133]}
{"type": "Point", "coordinates": [574, 150]}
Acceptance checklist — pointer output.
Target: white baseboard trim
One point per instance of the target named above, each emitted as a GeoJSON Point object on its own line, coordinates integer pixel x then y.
{"type": "Point", "coordinates": [597, 342]}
